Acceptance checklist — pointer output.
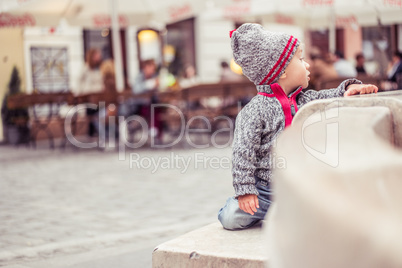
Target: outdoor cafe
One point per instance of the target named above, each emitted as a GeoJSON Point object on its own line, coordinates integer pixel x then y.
{"type": "Point", "coordinates": [203, 106]}
{"type": "Point", "coordinates": [181, 35]}
{"type": "Point", "coordinates": [208, 101]}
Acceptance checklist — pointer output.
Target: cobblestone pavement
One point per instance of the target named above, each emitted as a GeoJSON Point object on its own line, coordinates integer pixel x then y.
{"type": "Point", "coordinates": [57, 204]}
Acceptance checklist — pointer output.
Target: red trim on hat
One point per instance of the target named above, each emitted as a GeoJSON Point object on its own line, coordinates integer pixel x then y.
{"type": "Point", "coordinates": [231, 33]}
{"type": "Point", "coordinates": [279, 60]}
{"type": "Point", "coordinates": [284, 62]}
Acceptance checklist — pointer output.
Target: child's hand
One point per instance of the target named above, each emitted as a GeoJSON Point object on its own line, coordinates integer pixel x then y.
{"type": "Point", "coordinates": [360, 89]}
{"type": "Point", "coordinates": [248, 203]}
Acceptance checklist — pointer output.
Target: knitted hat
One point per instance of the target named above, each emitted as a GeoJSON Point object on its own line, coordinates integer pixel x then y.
{"type": "Point", "coordinates": [263, 55]}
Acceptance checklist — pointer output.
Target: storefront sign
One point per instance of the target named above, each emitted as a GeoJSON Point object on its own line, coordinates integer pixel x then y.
{"type": "Point", "coordinates": [180, 12]}
{"type": "Point", "coordinates": [282, 19]}
{"type": "Point", "coordinates": [393, 3]}
{"type": "Point", "coordinates": [346, 21]}
{"type": "Point", "coordinates": [237, 10]}
{"type": "Point", "coordinates": [9, 20]}
{"type": "Point", "coordinates": [103, 20]}
{"type": "Point", "coordinates": [318, 3]}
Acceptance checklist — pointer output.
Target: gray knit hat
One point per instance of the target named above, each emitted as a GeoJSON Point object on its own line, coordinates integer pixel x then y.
{"type": "Point", "coordinates": [263, 55]}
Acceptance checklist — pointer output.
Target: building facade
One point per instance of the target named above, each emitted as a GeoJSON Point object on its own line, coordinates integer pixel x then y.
{"type": "Point", "coordinates": [202, 41]}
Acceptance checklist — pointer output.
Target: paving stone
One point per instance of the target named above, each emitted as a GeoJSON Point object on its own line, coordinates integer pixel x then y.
{"type": "Point", "coordinates": [60, 203]}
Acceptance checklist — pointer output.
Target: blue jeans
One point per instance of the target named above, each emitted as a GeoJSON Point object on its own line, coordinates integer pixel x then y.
{"type": "Point", "coordinates": [233, 218]}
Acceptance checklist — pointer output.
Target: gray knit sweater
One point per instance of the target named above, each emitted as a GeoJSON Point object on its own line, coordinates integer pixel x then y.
{"type": "Point", "coordinates": [258, 125]}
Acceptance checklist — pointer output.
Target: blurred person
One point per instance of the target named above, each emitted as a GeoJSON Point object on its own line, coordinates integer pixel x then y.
{"type": "Point", "coordinates": [227, 75]}
{"type": "Point", "coordinates": [343, 67]}
{"type": "Point", "coordinates": [394, 73]}
{"type": "Point", "coordinates": [91, 81]}
{"type": "Point", "coordinates": [148, 81]}
{"type": "Point", "coordinates": [105, 113]}
{"type": "Point", "coordinates": [380, 56]}
{"type": "Point", "coordinates": [167, 81]}
{"type": "Point", "coordinates": [320, 69]}
{"type": "Point", "coordinates": [274, 63]}
{"type": "Point", "coordinates": [108, 75]}
{"type": "Point", "coordinates": [360, 64]}
{"type": "Point", "coordinates": [189, 77]}
{"type": "Point", "coordinates": [188, 80]}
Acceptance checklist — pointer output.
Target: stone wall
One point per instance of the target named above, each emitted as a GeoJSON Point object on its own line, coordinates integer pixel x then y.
{"type": "Point", "coordinates": [338, 201]}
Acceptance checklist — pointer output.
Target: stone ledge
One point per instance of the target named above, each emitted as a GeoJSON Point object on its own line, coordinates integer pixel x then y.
{"type": "Point", "coordinates": [338, 204]}
{"type": "Point", "coordinates": [213, 246]}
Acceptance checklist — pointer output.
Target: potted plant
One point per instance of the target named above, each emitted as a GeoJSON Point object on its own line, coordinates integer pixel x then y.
{"type": "Point", "coordinates": [15, 120]}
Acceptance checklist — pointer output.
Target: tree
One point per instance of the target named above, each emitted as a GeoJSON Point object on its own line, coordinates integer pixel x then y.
{"type": "Point", "coordinates": [14, 86]}
{"type": "Point", "coordinates": [16, 117]}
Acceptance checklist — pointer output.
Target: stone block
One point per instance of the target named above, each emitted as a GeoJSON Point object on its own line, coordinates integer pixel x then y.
{"type": "Point", "coordinates": [213, 246]}
{"type": "Point", "coordinates": [338, 203]}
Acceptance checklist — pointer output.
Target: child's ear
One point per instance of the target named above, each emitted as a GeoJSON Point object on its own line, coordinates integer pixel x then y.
{"type": "Point", "coordinates": [283, 76]}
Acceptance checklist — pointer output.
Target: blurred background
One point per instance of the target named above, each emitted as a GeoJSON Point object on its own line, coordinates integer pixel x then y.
{"type": "Point", "coordinates": [49, 42]}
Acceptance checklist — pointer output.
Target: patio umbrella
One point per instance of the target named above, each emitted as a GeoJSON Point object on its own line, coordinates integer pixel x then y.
{"type": "Point", "coordinates": [320, 14]}
{"type": "Point", "coordinates": [315, 14]}
{"type": "Point", "coordinates": [97, 13]}
{"type": "Point", "coordinates": [330, 14]}
{"type": "Point", "coordinates": [100, 14]}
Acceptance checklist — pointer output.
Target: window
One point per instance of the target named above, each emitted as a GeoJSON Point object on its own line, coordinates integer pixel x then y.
{"type": "Point", "coordinates": [320, 39]}
{"type": "Point", "coordinates": [98, 39]}
{"type": "Point", "coordinates": [102, 39]}
{"type": "Point", "coordinates": [149, 46]}
{"type": "Point", "coordinates": [377, 47]}
{"type": "Point", "coordinates": [49, 69]}
{"type": "Point", "coordinates": [377, 38]}
{"type": "Point", "coordinates": [180, 39]}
